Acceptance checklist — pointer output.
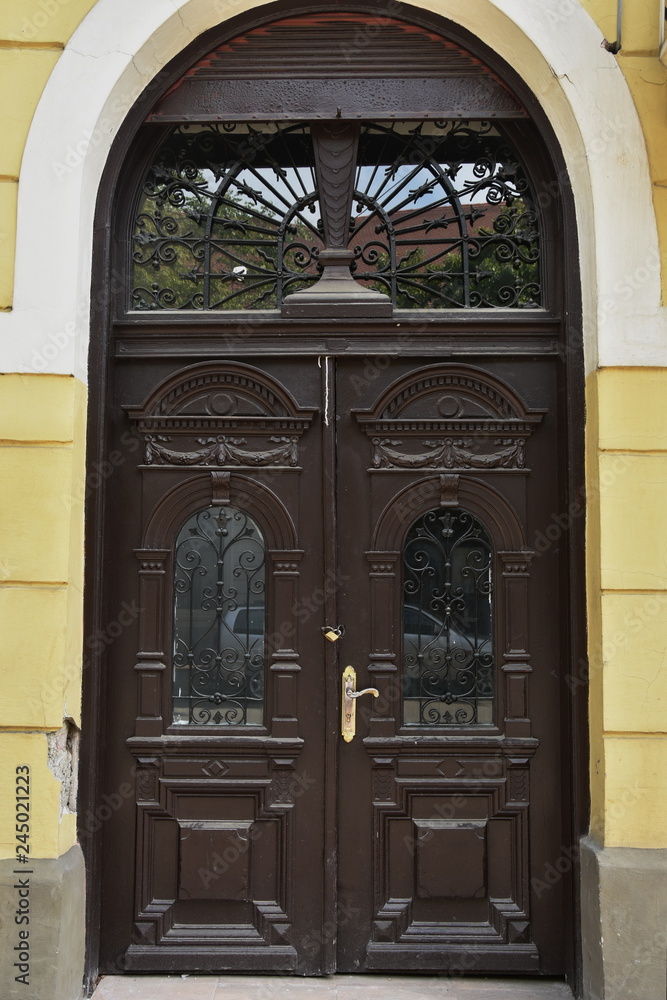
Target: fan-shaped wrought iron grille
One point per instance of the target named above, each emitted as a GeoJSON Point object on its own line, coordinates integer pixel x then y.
{"type": "Point", "coordinates": [229, 218]}
{"type": "Point", "coordinates": [219, 619]}
{"type": "Point", "coordinates": [447, 621]}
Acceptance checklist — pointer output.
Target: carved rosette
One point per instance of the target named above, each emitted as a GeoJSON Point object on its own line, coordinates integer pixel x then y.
{"type": "Point", "coordinates": [223, 416]}
{"type": "Point", "coordinates": [449, 417]}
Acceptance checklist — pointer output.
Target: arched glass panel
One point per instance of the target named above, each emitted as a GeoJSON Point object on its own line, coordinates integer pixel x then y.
{"type": "Point", "coordinates": [448, 675]}
{"type": "Point", "coordinates": [219, 620]}
{"type": "Point", "coordinates": [229, 217]}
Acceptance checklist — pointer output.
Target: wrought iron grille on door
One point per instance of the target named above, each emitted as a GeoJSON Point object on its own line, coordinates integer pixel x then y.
{"type": "Point", "coordinates": [219, 619]}
{"type": "Point", "coordinates": [448, 666]}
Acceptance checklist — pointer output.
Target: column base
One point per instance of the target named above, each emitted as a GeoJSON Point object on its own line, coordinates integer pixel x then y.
{"type": "Point", "coordinates": [49, 896]}
{"type": "Point", "coordinates": [624, 922]}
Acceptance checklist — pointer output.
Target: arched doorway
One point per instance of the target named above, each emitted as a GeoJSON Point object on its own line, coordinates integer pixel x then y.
{"type": "Point", "coordinates": [343, 394]}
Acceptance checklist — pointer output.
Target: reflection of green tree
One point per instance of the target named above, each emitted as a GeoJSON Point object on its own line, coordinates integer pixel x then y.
{"type": "Point", "coordinates": [503, 268]}
{"type": "Point", "coordinates": [242, 235]}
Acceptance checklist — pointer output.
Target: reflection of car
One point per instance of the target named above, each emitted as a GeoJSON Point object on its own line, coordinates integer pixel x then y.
{"type": "Point", "coordinates": [237, 629]}
{"type": "Point", "coordinates": [240, 637]}
{"type": "Point", "coordinates": [444, 671]}
{"type": "Point", "coordinates": [425, 633]}
{"type": "Point", "coordinates": [247, 621]}
{"type": "Point", "coordinates": [219, 659]}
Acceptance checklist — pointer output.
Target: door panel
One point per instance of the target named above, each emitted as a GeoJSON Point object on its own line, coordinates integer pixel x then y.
{"type": "Point", "coordinates": [446, 797]}
{"type": "Point", "coordinates": [226, 762]}
{"type": "Point", "coordinates": [222, 854]}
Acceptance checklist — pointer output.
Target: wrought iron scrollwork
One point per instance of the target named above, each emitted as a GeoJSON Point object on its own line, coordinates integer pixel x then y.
{"type": "Point", "coordinates": [447, 621]}
{"type": "Point", "coordinates": [445, 217]}
{"type": "Point", "coordinates": [219, 619]}
{"type": "Point", "coordinates": [229, 218]}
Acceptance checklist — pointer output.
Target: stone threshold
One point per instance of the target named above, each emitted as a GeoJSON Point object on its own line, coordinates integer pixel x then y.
{"type": "Point", "coordinates": [367, 987]}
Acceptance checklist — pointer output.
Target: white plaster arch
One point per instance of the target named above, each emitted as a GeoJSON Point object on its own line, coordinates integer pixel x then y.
{"type": "Point", "coordinates": [119, 48]}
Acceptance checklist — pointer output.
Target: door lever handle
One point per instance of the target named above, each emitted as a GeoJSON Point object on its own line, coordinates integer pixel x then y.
{"type": "Point", "coordinates": [351, 693]}
{"type": "Point", "coordinates": [349, 703]}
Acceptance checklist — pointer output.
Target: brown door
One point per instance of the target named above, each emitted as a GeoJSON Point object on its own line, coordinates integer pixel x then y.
{"type": "Point", "coordinates": [391, 499]}
{"type": "Point", "coordinates": [450, 790]}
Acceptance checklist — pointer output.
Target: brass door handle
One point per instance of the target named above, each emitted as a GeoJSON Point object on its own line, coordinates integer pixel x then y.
{"type": "Point", "coordinates": [349, 703]}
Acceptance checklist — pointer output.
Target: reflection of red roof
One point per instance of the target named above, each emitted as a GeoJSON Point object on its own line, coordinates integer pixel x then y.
{"type": "Point", "coordinates": [477, 216]}
{"type": "Point", "coordinates": [414, 227]}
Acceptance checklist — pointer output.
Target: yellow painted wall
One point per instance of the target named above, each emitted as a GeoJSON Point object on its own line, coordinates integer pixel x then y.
{"type": "Point", "coordinates": [627, 539]}
{"type": "Point", "coordinates": [41, 417]}
{"type": "Point", "coordinates": [42, 466]}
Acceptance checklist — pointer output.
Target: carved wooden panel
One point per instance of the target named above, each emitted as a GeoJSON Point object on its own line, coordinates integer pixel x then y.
{"type": "Point", "coordinates": [213, 852]}
{"type": "Point", "coordinates": [396, 65]}
{"type": "Point", "coordinates": [222, 415]}
{"type": "Point", "coordinates": [214, 859]}
{"type": "Point", "coordinates": [450, 858]}
{"type": "Point", "coordinates": [449, 417]}
{"type": "Point", "coordinates": [452, 866]}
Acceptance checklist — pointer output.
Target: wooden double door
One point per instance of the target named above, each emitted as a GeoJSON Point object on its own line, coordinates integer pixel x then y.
{"type": "Point", "coordinates": [391, 502]}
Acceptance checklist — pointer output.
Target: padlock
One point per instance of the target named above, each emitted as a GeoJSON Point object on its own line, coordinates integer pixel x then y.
{"type": "Point", "coordinates": [332, 634]}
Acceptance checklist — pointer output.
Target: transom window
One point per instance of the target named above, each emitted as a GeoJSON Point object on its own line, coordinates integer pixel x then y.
{"type": "Point", "coordinates": [442, 217]}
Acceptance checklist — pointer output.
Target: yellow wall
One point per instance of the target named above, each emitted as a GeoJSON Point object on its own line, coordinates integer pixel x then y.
{"type": "Point", "coordinates": [41, 418]}
{"type": "Point", "coordinates": [42, 466]}
{"type": "Point", "coordinates": [627, 539]}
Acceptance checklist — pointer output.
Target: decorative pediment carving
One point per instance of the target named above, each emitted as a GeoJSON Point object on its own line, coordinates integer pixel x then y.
{"type": "Point", "coordinates": [449, 417]}
{"type": "Point", "coordinates": [221, 415]}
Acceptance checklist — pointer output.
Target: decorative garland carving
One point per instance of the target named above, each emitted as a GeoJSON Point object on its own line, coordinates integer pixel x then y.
{"type": "Point", "coordinates": [223, 416]}
{"type": "Point", "coordinates": [472, 419]}
{"type": "Point", "coordinates": [221, 451]}
{"type": "Point", "coordinates": [452, 453]}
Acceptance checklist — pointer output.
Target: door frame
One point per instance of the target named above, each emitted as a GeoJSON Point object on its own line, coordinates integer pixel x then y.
{"type": "Point", "coordinates": [124, 163]}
